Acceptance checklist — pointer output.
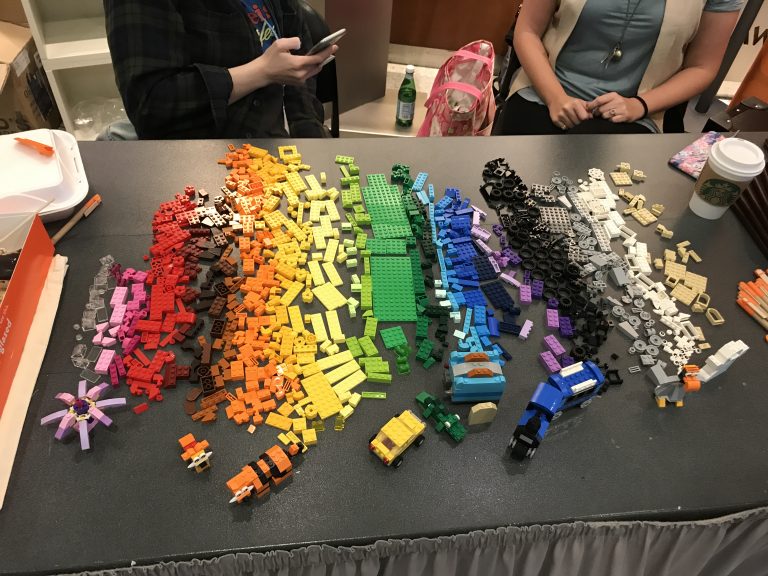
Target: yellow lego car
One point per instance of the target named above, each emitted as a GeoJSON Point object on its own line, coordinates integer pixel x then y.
{"type": "Point", "coordinates": [396, 436]}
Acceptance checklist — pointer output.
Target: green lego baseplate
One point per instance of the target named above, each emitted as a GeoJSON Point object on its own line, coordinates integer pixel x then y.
{"type": "Point", "coordinates": [393, 295]}
{"type": "Point", "coordinates": [385, 205]}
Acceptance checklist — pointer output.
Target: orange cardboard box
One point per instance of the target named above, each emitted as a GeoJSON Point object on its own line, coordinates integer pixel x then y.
{"type": "Point", "coordinates": [23, 232]}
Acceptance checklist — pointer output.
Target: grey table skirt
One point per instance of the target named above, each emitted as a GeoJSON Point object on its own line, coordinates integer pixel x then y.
{"type": "Point", "coordinates": [734, 545]}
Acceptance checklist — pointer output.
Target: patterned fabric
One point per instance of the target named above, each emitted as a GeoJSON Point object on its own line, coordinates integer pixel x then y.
{"type": "Point", "coordinates": [171, 63]}
{"type": "Point", "coordinates": [262, 19]}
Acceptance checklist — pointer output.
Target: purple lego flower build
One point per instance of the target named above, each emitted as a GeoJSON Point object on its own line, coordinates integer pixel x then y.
{"type": "Point", "coordinates": [83, 412]}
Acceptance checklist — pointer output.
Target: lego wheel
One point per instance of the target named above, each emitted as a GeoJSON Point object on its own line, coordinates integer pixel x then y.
{"type": "Point", "coordinates": [397, 462]}
{"type": "Point", "coordinates": [518, 451]}
{"type": "Point", "coordinates": [419, 440]}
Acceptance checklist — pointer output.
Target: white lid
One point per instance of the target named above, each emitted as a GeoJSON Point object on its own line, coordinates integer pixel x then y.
{"type": "Point", "coordinates": [410, 69]}
{"type": "Point", "coordinates": [741, 158]}
{"type": "Point", "coordinates": [31, 182]}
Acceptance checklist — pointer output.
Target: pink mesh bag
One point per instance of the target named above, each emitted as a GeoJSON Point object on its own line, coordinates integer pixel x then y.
{"type": "Point", "coordinates": [461, 102]}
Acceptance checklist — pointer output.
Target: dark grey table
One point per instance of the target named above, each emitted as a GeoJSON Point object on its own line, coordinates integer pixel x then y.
{"type": "Point", "coordinates": [132, 498]}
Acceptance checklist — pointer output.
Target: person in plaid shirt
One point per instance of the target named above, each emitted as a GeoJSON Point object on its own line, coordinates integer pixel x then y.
{"type": "Point", "coordinates": [215, 68]}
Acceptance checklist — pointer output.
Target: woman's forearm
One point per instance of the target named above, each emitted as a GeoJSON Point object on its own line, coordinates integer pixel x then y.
{"type": "Point", "coordinates": [681, 87]}
{"type": "Point", "coordinates": [247, 78]}
{"type": "Point", "coordinates": [535, 61]}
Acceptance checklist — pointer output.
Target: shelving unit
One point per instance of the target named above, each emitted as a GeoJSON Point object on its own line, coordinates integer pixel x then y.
{"type": "Point", "coordinates": [72, 40]}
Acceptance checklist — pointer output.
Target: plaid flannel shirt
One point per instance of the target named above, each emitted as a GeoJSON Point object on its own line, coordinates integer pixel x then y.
{"type": "Point", "coordinates": [171, 59]}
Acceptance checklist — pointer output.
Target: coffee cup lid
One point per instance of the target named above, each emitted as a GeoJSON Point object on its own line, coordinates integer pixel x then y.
{"type": "Point", "coordinates": [739, 156]}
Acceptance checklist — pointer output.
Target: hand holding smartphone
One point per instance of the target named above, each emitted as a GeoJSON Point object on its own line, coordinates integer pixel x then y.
{"type": "Point", "coordinates": [327, 42]}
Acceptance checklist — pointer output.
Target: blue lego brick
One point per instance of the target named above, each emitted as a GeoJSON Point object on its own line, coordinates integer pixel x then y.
{"type": "Point", "coordinates": [498, 296]}
{"type": "Point", "coordinates": [484, 268]}
{"type": "Point", "coordinates": [546, 398]}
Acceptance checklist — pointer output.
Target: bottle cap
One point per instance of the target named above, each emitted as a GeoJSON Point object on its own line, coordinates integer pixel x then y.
{"type": "Point", "coordinates": [410, 69]}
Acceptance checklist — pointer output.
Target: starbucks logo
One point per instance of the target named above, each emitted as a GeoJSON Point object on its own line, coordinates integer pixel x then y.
{"type": "Point", "coordinates": [719, 192]}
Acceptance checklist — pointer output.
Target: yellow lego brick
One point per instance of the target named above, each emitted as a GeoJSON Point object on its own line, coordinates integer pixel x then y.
{"type": "Point", "coordinates": [313, 183]}
{"type": "Point", "coordinates": [350, 382]}
{"type": "Point", "coordinates": [342, 371]}
{"type": "Point", "coordinates": [280, 422]}
{"type": "Point", "coordinates": [285, 409]}
{"type": "Point", "coordinates": [310, 369]}
{"type": "Point", "coordinates": [354, 400]}
{"type": "Point", "coordinates": [344, 396]}
{"type": "Point", "coordinates": [296, 182]}
{"type": "Point", "coordinates": [322, 396]}
{"type": "Point", "coordinates": [332, 273]}
{"type": "Point", "coordinates": [316, 208]}
{"type": "Point", "coordinates": [335, 360]}
{"type": "Point", "coordinates": [347, 411]}
{"type": "Point", "coordinates": [317, 273]}
{"type": "Point", "coordinates": [319, 237]}
{"type": "Point", "coordinates": [283, 151]}
{"type": "Point", "coordinates": [331, 249]}
{"type": "Point", "coordinates": [291, 293]}
{"type": "Point", "coordinates": [309, 437]}
{"type": "Point", "coordinates": [333, 213]}
{"type": "Point", "coordinates": [329, 296]}
{"type": "Point", "coordinates": [318, 327]}
{"type": "Point", "coordinates": [299, 424]}
{"type": "Point", "coordinates": [283, 438]}
{"type": "Point", "coordinates": [297, 322]}
{"type": "Point", "coordinates": [334, 327]}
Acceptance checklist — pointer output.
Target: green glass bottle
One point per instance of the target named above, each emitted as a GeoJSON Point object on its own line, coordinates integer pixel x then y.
{"type": "Point", "coordinates": [406, 99]}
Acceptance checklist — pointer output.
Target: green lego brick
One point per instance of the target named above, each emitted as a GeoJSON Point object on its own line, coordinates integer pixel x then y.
{"type": "Point", "coordinates": [425, 349]}
{"type": "Point", "coordinates": [429, 362]}
{"type": "Point", "coordinates": [346, 227]}
{"type": "Point", "coordinates": [361, 240]}
{"type": "Point", "coordinates": [359, 209]}
{"type": "Point", "coordinates": [354, 170]}
{"type": "Point", "coordinates": [370, 327]}
{"type": "Point", "coordinates": [369, 348]}
{"type": "Point", "coordinates": [366, 292]}
{"type": "Point", "coordinates": [367, 266]}
{"type": "Point", "coordinates": [375, 366]}
{"type": "Point", "coordinates": [344, 171]}
{"type": "Point", "coordinates": [393, 337]}
{"type": "Point", "coordinates": [351, 219]}
{"type": "Point", "coordinates": [374, 395]}
{"type": "Point", "coordinates": [379, 378]}
{"type": "Point", "coordinates": [354, 347]}
{"type": "Point", "coordinates": [393, 296]}
{"type": "Point", "coordinates": [348, 181]}
{"type": "Point", "coordinates": [403, 367]}
{"type": "Point", "coordinates": [346, 199]}
{"type": "Point", "coordinates": [344, 159]}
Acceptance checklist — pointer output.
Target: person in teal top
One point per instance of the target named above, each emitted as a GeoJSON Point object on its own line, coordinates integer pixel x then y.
{"type": "Point", "coordinates": [594, 84]}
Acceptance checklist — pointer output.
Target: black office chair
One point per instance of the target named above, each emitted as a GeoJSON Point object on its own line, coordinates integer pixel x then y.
{"type": "Point", "coordinates": [326, 89]}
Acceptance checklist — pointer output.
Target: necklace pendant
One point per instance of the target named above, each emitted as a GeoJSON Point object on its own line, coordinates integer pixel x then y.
{"type": "Point", "coordinates": [617, 54]}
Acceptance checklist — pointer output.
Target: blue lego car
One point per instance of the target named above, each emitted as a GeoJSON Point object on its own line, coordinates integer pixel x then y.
{"type": "Point", "coordinates": [574, 386]}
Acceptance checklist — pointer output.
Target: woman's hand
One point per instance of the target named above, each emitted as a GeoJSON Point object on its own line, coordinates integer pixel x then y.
{"type": "Point", "coordinates": [616, 108]}
{"type": "Point", "coordinates": [567, 112]}
{"type": "Point", "coordinates": [281, 67]}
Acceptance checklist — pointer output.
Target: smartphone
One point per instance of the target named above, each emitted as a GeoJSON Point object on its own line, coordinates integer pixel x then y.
{"type": "Point", "coordinates": [327, 42]}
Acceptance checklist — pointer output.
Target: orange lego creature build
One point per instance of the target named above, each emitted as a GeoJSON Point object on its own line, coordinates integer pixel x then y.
{"type": "Point", "coordinates": [274, 465]}
{"type": "Point", "coordinates": [194, 453]}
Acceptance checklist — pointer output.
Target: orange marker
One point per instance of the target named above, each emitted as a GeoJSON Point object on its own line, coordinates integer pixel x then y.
{"type": "Point", "coordinates": [748, 309]}
{"type": "Point", "coordinates": [43, 149]}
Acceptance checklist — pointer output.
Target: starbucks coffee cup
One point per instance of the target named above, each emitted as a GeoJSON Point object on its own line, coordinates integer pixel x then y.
{"type": "Point", "coordinates": [732, 165]}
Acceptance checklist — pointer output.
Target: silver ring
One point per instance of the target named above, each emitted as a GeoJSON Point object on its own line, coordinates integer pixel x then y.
{"type": "Point", "coordinates": [562, 126]}
{"type": "Point", "coordinates": [612, 112]}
